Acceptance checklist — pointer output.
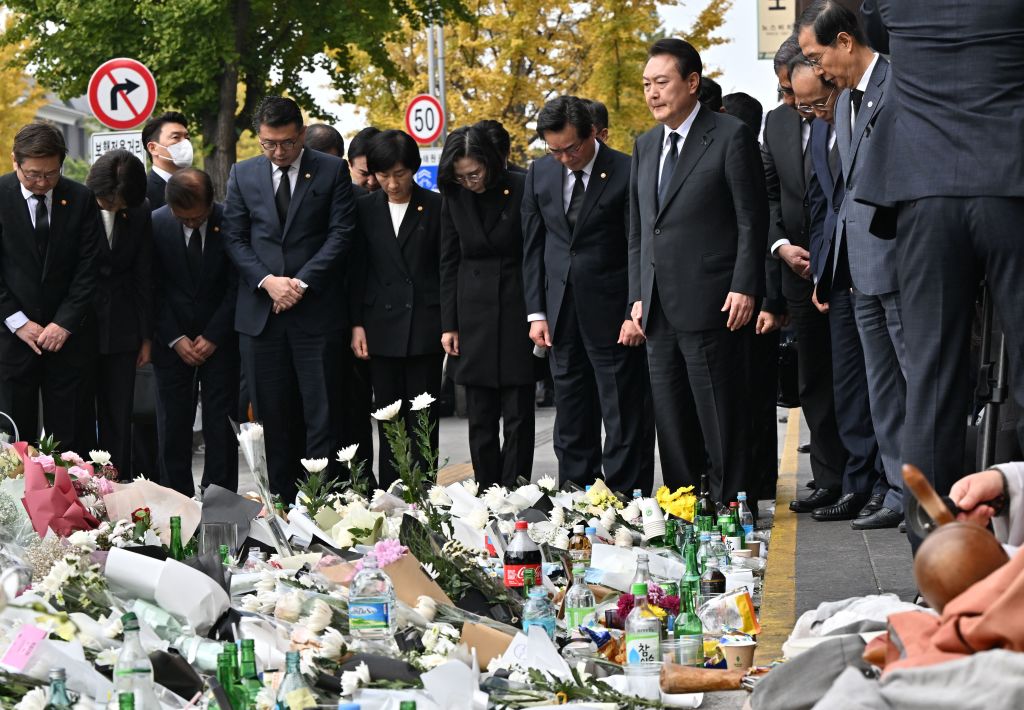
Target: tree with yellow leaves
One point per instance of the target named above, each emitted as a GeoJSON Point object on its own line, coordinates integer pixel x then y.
{"type": "Point", "coordinates": [517, 54]}
{"type": "Point", "coordinates": [19, 95]}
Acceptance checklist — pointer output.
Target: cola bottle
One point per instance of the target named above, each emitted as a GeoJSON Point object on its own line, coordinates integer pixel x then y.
{"type": "Point", "coordinates": [522, 554]}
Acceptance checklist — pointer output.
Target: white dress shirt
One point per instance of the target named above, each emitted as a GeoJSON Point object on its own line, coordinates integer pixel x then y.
{"type": "Point", "coordinates": [108, 225]}
{"type": "Point", "coordinates": [189, 233]}
{"type": "Point", "coordinates": [293, 180]}
{"type": "Point", "coordinates": [666, 143]}
{"type": "Point", "coordinates": [568, 183]}
{"type": "Point", "coordinates": [15, 321]}
{"type": "Point", "coordinates": [161, 172]}
{"type": "Point", "coordinates": [397, 210]}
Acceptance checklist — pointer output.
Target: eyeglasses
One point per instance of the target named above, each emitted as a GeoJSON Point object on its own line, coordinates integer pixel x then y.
{"type": "Point", "coordinates": [571, 150]}
{"type": "Point", "coordinates": [785, 90]}
{"type": "Point", "coordinates": [817, 106]}
{"type": "Point", "coordinates": [36, 176]}
{"type": "Point", "coordinates": [816, 61]}
{"type": "Point", "coordinates": [271, 146]}
{"type": "Point", "coordinates": [470, 179]}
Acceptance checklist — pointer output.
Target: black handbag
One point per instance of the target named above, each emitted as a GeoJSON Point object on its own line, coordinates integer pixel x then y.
{"type": "Point", "coordinates": [789, 378]}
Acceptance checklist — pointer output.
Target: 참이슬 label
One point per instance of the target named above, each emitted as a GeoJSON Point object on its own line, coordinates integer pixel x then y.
{"type": "Point", "coordinates": [364, 616]}
{"type": "Point", "coordinates": [515, 574]}
{"type": "Point", "coordinates": [643, 648]}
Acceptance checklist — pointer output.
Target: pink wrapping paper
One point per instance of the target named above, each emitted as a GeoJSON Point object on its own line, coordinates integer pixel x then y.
{"type": "Point", "coordinates": [56, 507]}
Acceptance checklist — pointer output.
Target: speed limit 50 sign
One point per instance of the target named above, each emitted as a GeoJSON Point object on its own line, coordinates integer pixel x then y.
{"type": "Point", "coordinates": [424, 119]}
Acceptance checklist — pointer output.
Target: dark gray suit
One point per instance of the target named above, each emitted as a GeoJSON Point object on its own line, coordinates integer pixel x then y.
{"type": "Point", "coordinates": [869, 263]}
{"type": "Point", "coordinates": [705, 239]}
{"type": "Point", "coordinates": [948, 160]}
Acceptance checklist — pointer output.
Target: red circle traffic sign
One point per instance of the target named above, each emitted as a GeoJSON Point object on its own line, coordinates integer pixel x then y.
{"type": "Point", "coordinates": [122, 93]}
{"type": "Point", "coordinates": [424, 119]}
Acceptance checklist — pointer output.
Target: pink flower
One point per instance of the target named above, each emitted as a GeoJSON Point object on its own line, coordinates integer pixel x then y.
{"type": "Point", "coordinates": [386, 552]}
{"type": "Point", "coordinates": [79, 472]}
{"type": "Point", "coordinates": [46, 462]}
{"type": "Point", "coordinates": [104, 486]}
{"type": "Point", "coordinates": [72, 457]}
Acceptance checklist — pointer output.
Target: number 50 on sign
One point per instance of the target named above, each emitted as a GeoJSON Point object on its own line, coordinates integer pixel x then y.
{"type": "Point", "coordinates": [424, 119]}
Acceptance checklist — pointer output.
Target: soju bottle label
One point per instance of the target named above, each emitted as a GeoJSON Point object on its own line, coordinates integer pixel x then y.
{"type": "Point", "coordinates": [369, 615]}
{"type": "Point", "coordinates": [643, 647]}
{"type": "Point", "coordinates": [579, 616]}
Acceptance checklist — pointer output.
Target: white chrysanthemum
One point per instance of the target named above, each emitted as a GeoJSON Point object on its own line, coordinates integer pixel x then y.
{"type": "Point", "coordinates": [495, 496]}
{"type": "Point", "coordinates": [430, 637]}
{"type": "Point", "coordinates": [557, 516]}
{"type": "Point", "coordinates": [471, 486]}
{"type": "Point", "coordinates": [314, 465]}
{"type": "Point", "coordinates": [507, 527]}
{"type": "Point", "coordinates": [267, 581]}
{"type": "Point", "coordinates": [107, 657]}
{"type": "Point", "coordinates": [288, 607]}
{"type": "Point", "coordinates": [548, 483]}
{"type": "Point", "coordinates": [332, 644]}
{"type": "Point", "coordinates": [386, 414]}
{"type": "Point", "coordinates": [34, 699]}
{"type": "Point", "coordinates": [83, 540]}
{"type": "Point", "coordinates": [623, 536]}
{"type": "Point", "coordinates": [439, 496]}
{"type": "Point", "coordinates": [266, 699]}
{"type": "Point", "coordinates": [477, 519]}
{"type": "Point", "coordinates": [351, 681]}
{"type": "Point", "coordinates": [307, 661]}
{"type": "Point", "coordinates": [560, 539]}
{"type": "Point", "coordinates": [420, 401]}
{"type": "Point", "coordinates": [346, 455]}
{"type": "Point", "coordinates": [430, 661]}
{"type": "Point", "coordinates": [318, 618]}
{"type": "Point", "coordinates": [429, 569]}
{"type": "Point", "coordinates": [99, 457]}
{"type": "Point", "coordinates": [609, 517]}
{"type": "Point", "coordinates": [61, 571]}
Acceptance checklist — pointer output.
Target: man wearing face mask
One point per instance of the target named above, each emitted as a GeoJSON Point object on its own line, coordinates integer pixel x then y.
{"type": "Point", "coordinates": [166, 141]}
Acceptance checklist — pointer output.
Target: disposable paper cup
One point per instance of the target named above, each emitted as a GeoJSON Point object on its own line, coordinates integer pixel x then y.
{"type": "Point", "coordinates": [755, 547]}
{"type": "Point", "coordinates": [743, 553]}
{"type": "Point", "coordinates": [739, 654]}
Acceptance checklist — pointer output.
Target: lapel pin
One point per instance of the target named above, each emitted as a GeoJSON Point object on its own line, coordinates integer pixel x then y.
{"type": "Point", "coordinates": [308, 176]}
{"type": "Point", "coordinates": [506, 191]}
{"type": "Point", "coordinates": [870, 104]}
{"type": "Point", "coordinates": [604, 175]}
{"type": "Point", "coordinates": [216, 229]}
{"type": "Point", "coordinates": [419, 208]}
{"type": "Point", "coordinates": [124, 215]}
{"type": "Point", "coordinates": [64, 203]}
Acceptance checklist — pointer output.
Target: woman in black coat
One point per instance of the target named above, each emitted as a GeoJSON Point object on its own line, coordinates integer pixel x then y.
{"type": "Point", "coordinates": [396, 292]}
{"type": "Point", "coordinates": [483, 311]}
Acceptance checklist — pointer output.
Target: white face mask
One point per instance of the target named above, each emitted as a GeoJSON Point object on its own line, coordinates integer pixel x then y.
{"type": "Point", "coordinates": [180, 152]}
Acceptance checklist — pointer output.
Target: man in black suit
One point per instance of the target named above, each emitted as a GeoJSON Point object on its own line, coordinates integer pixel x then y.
{"type": "Point", "coordinates": [949, 166]}
{"type": "Point", "coordinates": [166, 140]}
{"type": "Point", "coordinates": [698, 226]}
{"type": "Point", "coordinates": [362, 177]}
{"type": "Point", "coordinates": [124, 297]}
{"type": "Point", "coordinates": [196, 345]}
{"type": "Point", "coordinates": [288, 223]}
{"type": "Point", "coordinates": [575, 220]}
{"type": "Point", "coordinates": [49, 233]}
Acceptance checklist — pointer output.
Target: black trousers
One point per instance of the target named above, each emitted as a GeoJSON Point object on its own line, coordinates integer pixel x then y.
{"type": "Point", "coordinates": [402, 378]}
{"type": "Point", "coordinates": [501, 460]}
{"type": "Point", "coordinates": [698, 379]}
{"type": "Point", "coordinates": [114, 385]}
{"type": "Point", "coordinates": [64, 381]}
{"type": "Point", "coordinates": [145, 449]}
{"type": "Point", "coordinates": [817, 393]}
{"type": "Point", "coordinates": [600, 383]}
{"type": "Point", "coordinates": [946, 245]}
{"type": "Point", "coordinates": [281, 361]}
{"type": "Point", "coordinates": [356, 425]}
{"type": "Point", "coordinates": [179, 387]}
{"type": "Point", "coordinates": [764, 436]}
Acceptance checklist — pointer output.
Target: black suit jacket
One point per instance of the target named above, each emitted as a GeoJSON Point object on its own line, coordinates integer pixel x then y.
{"type": "Point", "coordinates": [182, 307]}
{"type": "Point", "coordinates": [825, 193]}
{"type": "Point", "coordinates": [311, 245]}
{"type": "Point", "coordinates": [396, 281]}
{"type": "Point", "coordinates": [709, 236]}
{"type": "Point", "coordinates": [124, 290]}
{"type": "Point", "coordinates": [482, 284]}
{"type": "Point", "coordinates": [60, 288]}
{"type": "Point", "coordinates": [593, 256]}
{"type": "Point", "coordinates": [155, 189]}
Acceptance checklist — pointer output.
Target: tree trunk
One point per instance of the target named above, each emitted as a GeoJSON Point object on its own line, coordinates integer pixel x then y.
{"type": "Point", "coordinates": [219, 128]}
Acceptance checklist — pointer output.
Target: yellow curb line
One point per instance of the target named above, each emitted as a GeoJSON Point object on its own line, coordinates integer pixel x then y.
{"type": "Point", "coordinates": [778, 599]}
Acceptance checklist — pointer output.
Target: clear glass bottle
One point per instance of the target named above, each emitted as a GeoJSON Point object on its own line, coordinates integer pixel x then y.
{"type": "Point", "coordinates": [293, 681]}
{"type": "Point", "coordinates": [371, 604]}
{"type": "Point", "coordinates": [133, 671]}
{"type": "Point", "coordinates": [579, 546]}
{"type": "Point", "coordinates": [58, 695]}
{"type": "Point", "coordinates": [712, 582]}
{"type": "Point", "coordinates": [579, 601]}
{"type": "Point", "coordinates": [643, 569]}
{"type": "Point", "coordinates": [690, 583]}
{"type": "Point", "coordinates": [746, 517]}
{"type": "Point", "coordinates": [175, 550]}
{"type": "Point", "coordinates": [703, 552]}
{"type": "Point", "coordinates": [539, 611]}
{"type": "Point", "coordinates": [643, 630]}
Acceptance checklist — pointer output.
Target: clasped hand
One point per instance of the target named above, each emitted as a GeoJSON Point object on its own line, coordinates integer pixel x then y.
{"type": "Point", "coordinates": [285, 292]}
{"type": "Point", "coordinates": [51, 338]}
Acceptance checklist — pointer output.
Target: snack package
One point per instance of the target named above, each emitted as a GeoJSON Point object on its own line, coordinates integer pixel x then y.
{"type": "Point", "coordinates": [732, 611]}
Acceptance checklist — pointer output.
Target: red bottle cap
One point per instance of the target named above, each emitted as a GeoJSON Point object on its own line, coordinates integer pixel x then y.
{"type": "Point", "coordinates": [522, 525]}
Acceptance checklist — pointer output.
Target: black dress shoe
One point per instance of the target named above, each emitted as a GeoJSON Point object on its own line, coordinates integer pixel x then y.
{"type": "Point", "coordinates": [804, 449]}
{"type": "Point", "coordinates": [812, 484]}
{"type": "Point", "coordinates": [846, 508]}
{"type": "Point", "coordinates": [881, 518]}
{"type": "Point", "coordinates": [819, 499]}
{"type": "Point", "coordinates": [875, 503]}
{"type": "Point", "coordinates": [903, 527]}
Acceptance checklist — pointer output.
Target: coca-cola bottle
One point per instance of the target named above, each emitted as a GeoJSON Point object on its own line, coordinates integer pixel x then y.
{"type": "Point", "coordinates": [522, 554]}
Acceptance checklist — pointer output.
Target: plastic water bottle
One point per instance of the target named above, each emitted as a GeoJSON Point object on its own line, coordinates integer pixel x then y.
{"type": "Point", "coordinates": [643, 631]}
{"type": "Point", "coordinates": [133, 671]}
{"type": "Point", "coordinates": [371, 604]}
{"type": "Point", "coordinates": [592, 536]}
{"type": "Point", "coordinates": [746, 517]}
{"type": "Point", "coordinates": [539, 611]}
{"type": "Point", "coordinates": [579, 601]}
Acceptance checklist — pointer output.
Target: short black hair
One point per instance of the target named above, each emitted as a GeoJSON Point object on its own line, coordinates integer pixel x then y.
{"type": "Point", "coordinates": [746, 108]}
{"type": "Point", "coordinates": [686, 55]}
{"type": "Point", "coordinates": [787, 50]}
{"type": "Point", "coordinates": [189, 188]}
{"type": "Point", "coordinates": [360, 143]}
{"type": "Point", "coordinates": [390, 148]}
{"type": "Point", "coordinates": [151, 131]}
{"type": "Point", "coordinates": [599, 113]}
{"type": "Point", "coordinates": [276, 112]}
{"type": "Point", "coordinates": [324, 138]}
{"type": "Point", "coordinates": [496, 133]}
{"type": "Point", "coordinates": [118, 173]}
{"type": "Point", "coordinates": [798, 61]}
{"type": "Point", "coordinates": [828, 18]}
{"type": "Point", "coordinates": [39, 140]}
{"type": "Point", "coordinates": [710, 94]}
{"type": "Point", "coordinates": [562, 111]}
{"type": "Point", "coordinates": [469, 142]}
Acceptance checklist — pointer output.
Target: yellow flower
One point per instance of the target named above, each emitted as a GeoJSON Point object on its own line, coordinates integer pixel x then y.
{"type": "Point", "coordinates": [680, 503]}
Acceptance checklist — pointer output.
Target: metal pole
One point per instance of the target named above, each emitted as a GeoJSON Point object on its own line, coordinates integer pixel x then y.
{"type": "Point", "coordinates": [442, 96]}
{"type": "Point", "coordinates": [430, 60]}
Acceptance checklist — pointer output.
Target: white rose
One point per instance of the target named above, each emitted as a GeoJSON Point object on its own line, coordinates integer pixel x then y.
{"type": "Point", "coordinates": [421, 401]}
{"type": "Point", "coordinates": [99, 457]}
{"type": "Point", "coordinates": [548, 483]}
{"type": "Point", "coordinates": [346, 455]}
{"type": "Point", "coordinates": [314, 465]}
{"type": "Point", "coordinates": [386, 414]}
{"type": "Point", "coordinates": [439, 496]}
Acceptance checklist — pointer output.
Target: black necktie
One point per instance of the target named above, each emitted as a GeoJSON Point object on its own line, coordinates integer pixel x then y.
{"type": "Point", "coordinates": [834, 166]}
{"type": "Point", "coordinates": [856, 95]}
{"type": "Point", "coordinates": [668, 168]}
{"type": "Point", "coordinates": [575, 200]}
{"type": "Point", "coordinates": [195, 255]}
{"type": "Point", "coordinates": [808, 157]}
{"type": "Point", "coordinates": [283, 197]}
{"type": "Point", "coordinates": [42, 225]}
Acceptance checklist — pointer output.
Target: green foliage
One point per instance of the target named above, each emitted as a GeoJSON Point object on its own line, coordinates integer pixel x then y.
{"type": "Point", "coordinates": [315, 491]}
{"type": "Point", "coordinates": [76, 169]}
